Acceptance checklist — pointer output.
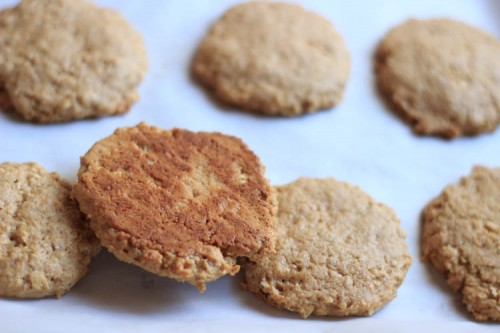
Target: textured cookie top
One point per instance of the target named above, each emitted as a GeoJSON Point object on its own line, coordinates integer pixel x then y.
{"type": "Point", "coordinates": [461, 237]}
{"type": "Point", "coordinates": [338, 252]}
{"type": "Point", "coordinates": [45, 247]}
{"type": "Point", "coordinates": [273, 58]}
{"type": "Point", "coordinates": [159, 198]}
{"type": "Point", "coordinates": [62, 60]}
{"type": "Point", "coordinates": [442, 76]}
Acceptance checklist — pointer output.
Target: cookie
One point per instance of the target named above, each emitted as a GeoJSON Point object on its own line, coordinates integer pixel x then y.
{"type": "Point", "coordinates": [45, 246]}
{"type": "Point", "coordinates": [338, 252]}
{"type": "Point", "coordinates": [442, 77]}
{"type": "Point", "coordinates": [63, 60]}
{"type": "Point", "coordinates": [177, 203]}
{"type": "Point", "coordinates": [461, 238]}
{"type": "Point", "coordinates": [254, 58]}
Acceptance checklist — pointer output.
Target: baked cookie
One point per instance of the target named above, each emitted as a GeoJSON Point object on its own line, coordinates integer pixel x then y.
{"type": "Point", "coordinates": [177, 203]}
{"type": "Point", "coordinates": [45, 246]}
{"type": "Point", "coordinates": [62, 60]}
{"type": "Point", "coordinates": [461, 238]}
{"type": "Point", "coordinates": [338, 252]}
{"type": "Point", "coordinates": [442, 76]}
{"type": "Point", "coordinates": [254, 58]}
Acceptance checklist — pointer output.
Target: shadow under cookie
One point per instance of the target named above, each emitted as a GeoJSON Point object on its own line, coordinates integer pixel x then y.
{"type": "Point", "coordinates": [112, 284]}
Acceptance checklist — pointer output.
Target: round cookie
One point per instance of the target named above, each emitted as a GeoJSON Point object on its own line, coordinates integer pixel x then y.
{"type": "Point", "coordinates": [63, 60]}
{"type": "Point", "coordinates": [177, 203]}
{"type": "Point", "coordinates": [461, 238]}
{"type": "Point", "coordinates": [442, 76]}
{"type": "Point", "coordinates": [338, 252]}
{"type": "Point", "coordinates": [255, 59]}
{"type": "Point", "coordinates": [45, 246]}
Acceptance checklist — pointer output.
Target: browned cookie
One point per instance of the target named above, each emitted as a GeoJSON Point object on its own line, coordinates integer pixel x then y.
{"type": "Point", "coordinates": [338, 252]}
{"type": "Point", "coordinates": [177, 203]}
{"type": "Point", "coordinates": [461, 238]}
{"type": "Point", "coordinates": [62, 60]}
{"type": "Point", "coordinates": [45, 247]}
{"type": "Point", "coordinates": [442, 76]}
{"type": "Point", "coordinates": [273, 58]}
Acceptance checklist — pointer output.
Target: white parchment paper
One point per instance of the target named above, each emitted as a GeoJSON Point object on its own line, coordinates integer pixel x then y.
{"type": "Point", "coordinates": [359, 141]}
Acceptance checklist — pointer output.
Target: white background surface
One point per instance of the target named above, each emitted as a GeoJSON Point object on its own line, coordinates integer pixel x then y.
{"type": "Point", "coordinates": [358, 141]}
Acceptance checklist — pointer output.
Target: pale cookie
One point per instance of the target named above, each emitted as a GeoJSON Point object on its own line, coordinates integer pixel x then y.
{"type": "Point", "coordinates": [177, 203]}
{"type": "Point", "coordinates": [63, 60]}
{"type": "Point", "coordinates": [338, 252]}
{"type": "Point", "coordinates": [273, 58]}
{"type": "Point", "coordinates": [442, 76]}
{"type": "Point", "coordinates": [461, 238]}
{"type": "Point", "coordinates": [45, 246]}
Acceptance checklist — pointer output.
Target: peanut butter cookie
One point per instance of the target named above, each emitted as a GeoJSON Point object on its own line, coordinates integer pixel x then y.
{"type": "Point", "coordinates": [45, 246]}
{"type": "Point", "coordinates": [274, 59]}
{"type": "Point", "coordinates": [461, 238]}
{"type": "Point", "coordinates": [338, 252]}
{"type": "Point", "coordinates": [177, 203]}
{"type": "Point", "coordinates": [442, 76]}
{"type": "Point", "coordinates": [63, 60]}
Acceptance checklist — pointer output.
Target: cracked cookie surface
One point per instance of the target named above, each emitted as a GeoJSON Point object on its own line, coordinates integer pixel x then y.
{"type": "Point", "coordinates": [177, 203]}
{"type": "Point", "coordinates": [63, 60]}
{"type": "Point", "coordinates": [461, 238]}
{"type": "Point", "coordinates": [45, 246]}
{"type": "Point", "coordinates": [255, 59]}
{"type": "Point", "coordinates": [338, 252]}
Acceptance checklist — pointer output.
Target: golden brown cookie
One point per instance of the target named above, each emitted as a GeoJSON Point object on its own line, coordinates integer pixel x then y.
{"type": "Point", "coordinates": [273, 58]}
{"type": "Point", "coordinates": [177, 203]}
{"type": "Point", "coordinates": [45, 246]}
{"type": "Point", "coordinates": [62, 60]}
{"type": "Point", "coordinates": [338, 252]}
{"type": "Point", "coordinates": [442, 76]}
{"type": "Point", "coordinates": [461, 238]}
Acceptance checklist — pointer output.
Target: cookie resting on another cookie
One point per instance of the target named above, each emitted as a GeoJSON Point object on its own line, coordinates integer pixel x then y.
{"type": "Point", "coordinates": [461, 238]}
{"type": "Point", "coordinates": [273, 58]}
{"type": "Point", "coordinates": [45, 246]}
{"type": "Point", "coordinates": [177, 203]}
{"type": "Point", "coordinates": [338, 252]}
{"type": "Point", "coordinates": [442, 76]}
{"type": "Point", "coordinates": [63, 60]}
